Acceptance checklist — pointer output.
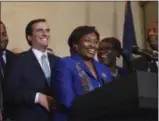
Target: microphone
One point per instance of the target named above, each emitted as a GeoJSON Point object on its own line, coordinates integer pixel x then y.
{"type": "Point", "coordinates": [144, 52]}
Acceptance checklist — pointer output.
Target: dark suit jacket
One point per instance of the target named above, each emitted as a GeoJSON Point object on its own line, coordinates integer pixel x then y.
{"type": "Point", "coordinates": [1, 97]}
{"type": "Point", "coordinates": [10, 56]}
{"type": "Point", "coordinates": [9, 60]}
{"type": "Point", "coordinates": [24, 80]}
{"type": "Point", "coordinates": [143, 64]}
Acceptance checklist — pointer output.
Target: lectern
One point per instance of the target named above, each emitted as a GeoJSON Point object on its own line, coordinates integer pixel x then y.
{"type": "Point", "coordinates": [134, 97]}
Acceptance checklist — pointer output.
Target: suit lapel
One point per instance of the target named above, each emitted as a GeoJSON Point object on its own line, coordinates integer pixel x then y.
{"type": "Point", "coordinates": [88, 71]}
{"type": "Point", "coordinates": [37, 65]}
{"type": "Point", "coordinates": [51, 59]}
{"type": "Point", "coordinates": [7, 57]}
{"type": "Point", "coordinates": [99, 70]}
{"type": "Point", "coordinates": [80, 61]}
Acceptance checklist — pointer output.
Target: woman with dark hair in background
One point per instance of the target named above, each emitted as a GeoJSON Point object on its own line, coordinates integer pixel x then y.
{"type": "Point", "coordinates": [108, 51]}
{"type": "Point", "coordinates": [80, 72]}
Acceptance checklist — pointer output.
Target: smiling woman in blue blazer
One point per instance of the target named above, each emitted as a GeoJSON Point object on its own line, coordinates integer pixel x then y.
{"type": "Point", "coordinates": [80, 72]}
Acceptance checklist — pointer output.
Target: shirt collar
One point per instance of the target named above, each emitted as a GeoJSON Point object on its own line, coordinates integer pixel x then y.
{"type": "Point", "coordinates": [38, 53]}
{"type": "Point", "coordinates": [3, 52]}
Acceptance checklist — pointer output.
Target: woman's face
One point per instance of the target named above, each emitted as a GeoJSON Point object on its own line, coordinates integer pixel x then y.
{"type": "Point", "coordinates": [106, 54]}
{"type": "Point", "coordinates": [87, 46]}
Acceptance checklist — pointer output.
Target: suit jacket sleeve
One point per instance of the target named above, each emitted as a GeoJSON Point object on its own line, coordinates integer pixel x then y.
{"type": "Point", "coordinates": [63, 84]}
{"type": "Point", "coordinates": [14, 91]}
{"type": "Point", "coordinates": [1, 96]}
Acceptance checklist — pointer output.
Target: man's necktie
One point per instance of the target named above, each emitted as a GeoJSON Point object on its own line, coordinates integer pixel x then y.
{"type": "Point", "coordinates": [45, 68]}
{"type": "Point", "coordinates": [2, 63]}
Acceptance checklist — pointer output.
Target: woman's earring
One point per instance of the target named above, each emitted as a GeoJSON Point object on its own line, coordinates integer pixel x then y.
{"type": "Point", "coordinates": [75, 47]}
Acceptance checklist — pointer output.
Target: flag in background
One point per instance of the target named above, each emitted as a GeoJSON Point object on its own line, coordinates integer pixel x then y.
{"type": "Point", "coordinates": [129, 38]}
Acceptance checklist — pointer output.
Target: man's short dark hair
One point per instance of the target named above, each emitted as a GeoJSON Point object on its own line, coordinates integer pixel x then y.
{"type": "Point", "coordinates": [29, 30]}
{"type": "Point", "coordinates": [80, 32]}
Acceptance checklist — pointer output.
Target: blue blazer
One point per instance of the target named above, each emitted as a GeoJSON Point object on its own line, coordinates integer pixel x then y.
{"type": "Point", "coordinates": [67, 81]}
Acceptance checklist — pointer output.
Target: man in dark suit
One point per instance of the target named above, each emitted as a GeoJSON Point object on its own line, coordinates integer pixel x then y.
{"type": "Point", "coordinates": [6, 58]}
{"type": "Point", "coordinates": [28, 83]}
{"type": "Point", "coordinates": [144, 63]}
{"type": "Point", "coordinates": [1, 97]}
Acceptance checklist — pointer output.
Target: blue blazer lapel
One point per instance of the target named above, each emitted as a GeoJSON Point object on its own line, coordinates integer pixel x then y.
{"type": "Point", "coordinates": [98, 69]}
{"type": "Point", "coordinates": [80, 61]}
{"type": "Point", "coordinates": [101, 72]}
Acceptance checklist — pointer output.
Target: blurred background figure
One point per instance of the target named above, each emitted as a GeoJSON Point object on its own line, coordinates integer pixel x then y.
{"type": "Point", "coordinates": [1, 97]}
{"type": "Point", "coordinates": [16, 50]}
{"type": "Point", "coordinates": [6, 58]}
{"type": "Point", "coordinates": [109, 51]}
{"type": "Point", "coordinates": [152, 36]}
{"type": "Point", "coordinates": [143, 63]}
